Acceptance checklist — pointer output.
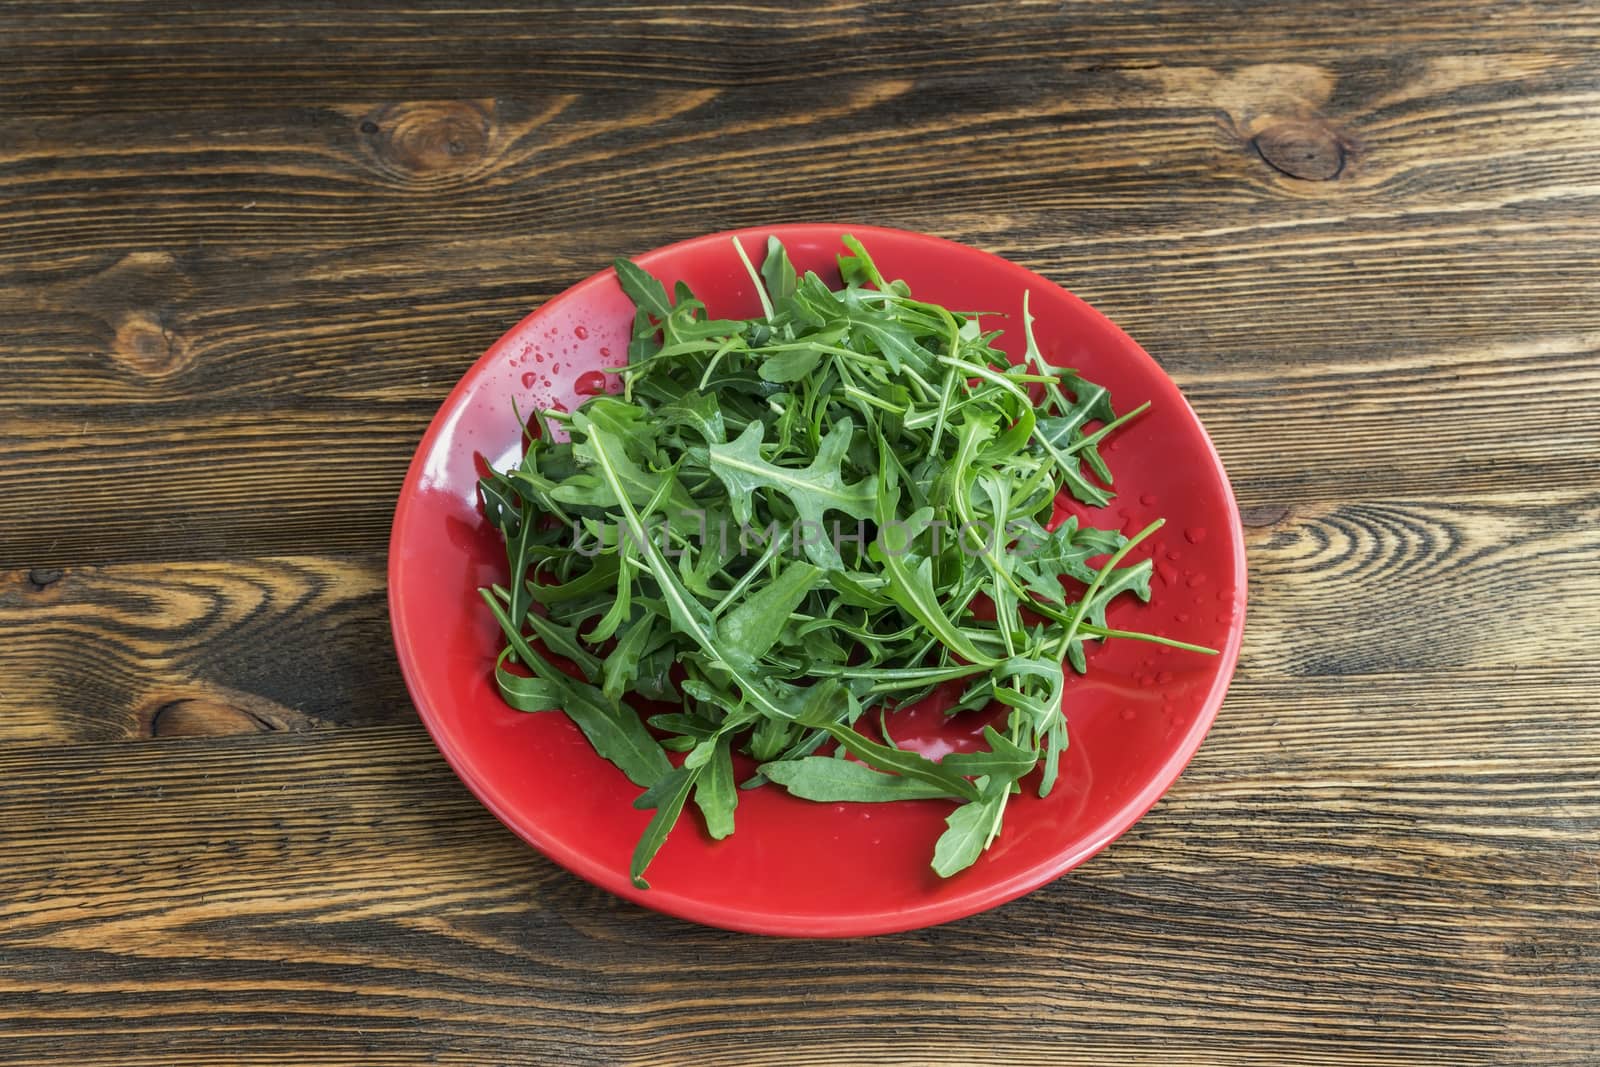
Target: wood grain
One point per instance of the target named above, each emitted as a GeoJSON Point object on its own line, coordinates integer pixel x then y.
{"type": "Point", "coordinates": [132, 55]}
{"type": "Point", "coordinates": [244, 253]}
{"type": "Point", "coordinates": [343, 889]}
{"type": "Point", "coordinates": [245, 646]}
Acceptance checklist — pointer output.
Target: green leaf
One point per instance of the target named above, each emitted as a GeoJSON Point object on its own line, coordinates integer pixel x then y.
{"type": "Point", "coordinates": [858, 267]}
{"type": "Point", "coordinates": [778, 273]}
{"type": "Point", "coordinates": [667, 797]}
{"type": "Point", "coordinates": [910, 580]}
{"type": "Point", "coordinates": [813, 490]}
{"type": "Point", "coordinates": [500, 504]}
{"type": "Point", "coordinates": [897, 345]}
{"type": "Point", "coordinates": [913, 590]}
{"type": "Point", "coordinates": [624, 424]}
{"type": "Point", "coordinates": [621, 607]}
{"type": "Point", "coordinates": [519, 550]}
{"type": "Point", "coordinates": [1004, 759]}
{"type": "Point", "coordinates": [750, 630]}
{"type": "Point", "coordinates": [1042, 560]}
{"type": "Point", "coordinates": [828, 780]}
{"type": "Point", "coordinates": [647, 293]}
{"type": "Point", "coordinates": [714, 792]}
{"type": "Point", "coordinates": [1055, 745]}
{"type": "Point", "coordinates": [699, 412]}
{"type": "Point", "coordinates": [1134, 579]}
{"type": "Point", "coordinates": [789, 365]}
{"type": "Point", "coordinates": [899, 761]}
{"type": "Point", "coordinates": [621, 667]}
{"type": "Point", "coordinates": [615, 731]}
{"type": "Point", "coordinates": [645, 343]}
{"type": "Point", "coordinates": [524, 693]}
{"type": "Point", "coordinates": [688, 615]}
{"type": "Point", "coordinates": [970, 828]}
{"type": "Point", "coordinates": [602, 575]}
{"type": "Point", "coordinates": [563, 642]}
{"type": "Point", "coordinates": [770, 737]}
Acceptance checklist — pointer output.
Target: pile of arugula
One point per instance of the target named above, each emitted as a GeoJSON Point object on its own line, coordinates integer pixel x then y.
{"type": "Point", "coordinates": [785, 522]}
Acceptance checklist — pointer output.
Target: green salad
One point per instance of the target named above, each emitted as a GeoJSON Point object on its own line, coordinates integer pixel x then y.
{"type": "Point", "coordinates": [785, 527]}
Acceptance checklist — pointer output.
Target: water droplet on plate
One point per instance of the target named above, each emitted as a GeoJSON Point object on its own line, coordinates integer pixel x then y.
{"type": "Point", "coordinates": [1195, 534]}
{"type": "Point", "coordinates": [528, 378]}
{"type": "Point", "coordinates": [581, 333]}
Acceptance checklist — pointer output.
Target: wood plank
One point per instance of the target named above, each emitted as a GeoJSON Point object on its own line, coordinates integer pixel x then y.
{"type": "Point", "coordinates": [214, 482]}
{"type": "Point", "coordinates": [339, 896]}
{"type": "Point", "coordinates": [1110, 155]}
{"type": "Point", "coordinates": [1386, 586]}
{"type": "Point", "coordinates": [241, 646]}
{"type": "Point", "coordinates": [134, 55]}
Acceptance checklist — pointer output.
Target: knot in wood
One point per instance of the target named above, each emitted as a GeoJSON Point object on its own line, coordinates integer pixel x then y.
{"type": "Point", "coordinates": [1302, 148]}
{"type": "Point", "coordinates": [203, 718]}
{"type": "Point", "coordinates": [430, 139]}
{"type": "Point", "coordinates": [145, 346]}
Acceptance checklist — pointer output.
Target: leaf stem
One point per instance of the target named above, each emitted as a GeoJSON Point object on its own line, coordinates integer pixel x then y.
{"type": "Point", "coordinates": [1106, 568]}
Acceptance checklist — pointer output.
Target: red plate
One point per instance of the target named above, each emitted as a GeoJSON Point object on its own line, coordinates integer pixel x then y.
{"type": "Point", "coordinates": [794, 867]}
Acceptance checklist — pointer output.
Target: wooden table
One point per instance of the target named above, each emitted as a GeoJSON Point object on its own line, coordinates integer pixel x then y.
{"type": "Point", "coordinates": [245, 251]}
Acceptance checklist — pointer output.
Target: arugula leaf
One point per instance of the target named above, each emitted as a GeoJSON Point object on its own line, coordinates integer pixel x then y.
{"type": "Point", "coordinates": [789, 365]}
{"type": "Point", "coordinates": [563, 642]}
{"type": "Point", "coordinates": [829, 781]}
{"type": "Point", "coordinates": [643, 289]}
{"type": "Point", "coordinates": [615, 731]}
{"type": "Point", "coordinates": [1005, 759]}
{"type": "Point", "coordinates": [689, 616]}
{"type": "Point", "coordinates": [750, 630]}
{"type": "Point", "coordinates": [778, 273]}
{"type": "Point", "coordinates": [970, 829]}
{"type": "Point", "coordinates": [667, 797]}
{"type": "Point", "coordinates": [899, 761]}
{"type": "Point", "coordinates": [714, 791]}
{"type": "Point", "coordinates": [815, 490]}
{"type": "Point", "coordinates": [621, 667]}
